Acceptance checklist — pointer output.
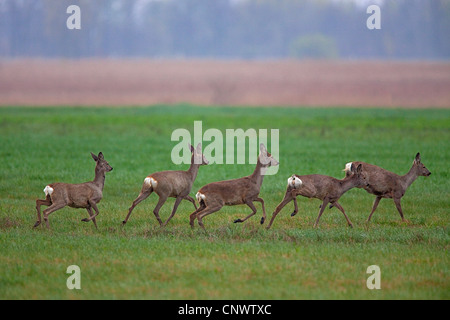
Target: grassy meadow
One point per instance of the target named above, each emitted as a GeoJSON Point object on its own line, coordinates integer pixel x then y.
{"type": "Point", "coordinates": [292, 260]}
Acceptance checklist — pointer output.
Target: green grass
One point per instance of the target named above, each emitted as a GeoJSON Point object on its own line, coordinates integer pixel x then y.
{"type": "Point", "coordinates": [231, 261]}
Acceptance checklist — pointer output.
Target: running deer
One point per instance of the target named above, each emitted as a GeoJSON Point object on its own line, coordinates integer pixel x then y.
{"type": "Point", "coordinates": [175, 184]}
{"type": "Point", "coordinates": [386, 184]}
{"type": "Point", "coordinates": [84, 195]}
{"type": "Point", "coordinates": [213, 196]}
{"type": "Point", "coordinates": [325, 188]}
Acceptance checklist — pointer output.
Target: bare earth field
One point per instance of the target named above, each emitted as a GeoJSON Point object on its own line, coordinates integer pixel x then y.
{"type": "Point", "coordinates": [207, 82]}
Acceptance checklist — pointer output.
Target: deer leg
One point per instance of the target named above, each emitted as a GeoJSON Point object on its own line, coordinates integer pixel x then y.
{"type": "Point", "coordinates": [52, 208]}
{"type": "Point", "coordinates": [91, 217]}
{"type": "Point", "coordinates": [205, 212]}
{"type": "Point", "coordinates": [191, 200]}
{"type": "Point", "coordinates": [295, 207]}
{"type": "Point", "coordinates": [175, 206]}
{"type": "Point", "coordinates": [39, 202]}
{"type": "Point", "coordinates": [287, 198]}
{"type": "Point", "coordinates": [399, 208]}
{"type": "Point", "coordinates": [374, 207]}
{"type": "Point", "coordinates": [89, 210]}
{"type": "Point", "coordinates": [337, 205]}
{"type": "Point", "coordinates": [193, 215]}
{"type": "Point", "coordinates": [161, 201]}
{"type": "Point", "coordinates": [142, 196]}
{"type": "Point", "coordinates": [322, 208]}
{"type": "Point", "coordinates": [252, 206]}
{"type": "Point", "coordinates": [263, 208]}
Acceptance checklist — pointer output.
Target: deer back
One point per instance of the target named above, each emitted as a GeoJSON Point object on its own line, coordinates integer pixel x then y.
{"type": "Point", "coordinates": [172, 183]}
{"type": "Point", "coordinates": [230, 192]}
{"type": "Point", "coordinates": [379, 181]}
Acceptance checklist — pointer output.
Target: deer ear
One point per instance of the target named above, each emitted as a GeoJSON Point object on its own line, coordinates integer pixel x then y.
{"type": "Point", "coordinates": [417, 159]}
{"type": "Point", "coordinates": [191, 147]}
{"type": "Point", "coordinates": [199, 148]}
{"type": "Point", "coordinates": [100, 156]}
{"type": "Point", "coordinates": [359, 169]}
{"type": "Point", "coordinates": [263, 148]}
{"type": "Point", "coordinates": [94, 157]}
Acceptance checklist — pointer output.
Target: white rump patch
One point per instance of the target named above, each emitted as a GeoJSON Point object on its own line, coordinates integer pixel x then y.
{"type": "Point", "coordinates": [295, 182]}
{"type": "Point", "coordinates": [48, 190]}
{"type": "Point", "coordinates": [348, 167]}
{"type": "Point", "coordinates": [151, 182]}
{"type": "Point", "coordinates": [200, 197]}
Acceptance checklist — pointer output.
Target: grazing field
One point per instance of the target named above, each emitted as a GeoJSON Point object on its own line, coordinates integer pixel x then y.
{"type": "Point", "coordinates": [142, 82]}
{"type": "Point", "coordinates": [230, 261]}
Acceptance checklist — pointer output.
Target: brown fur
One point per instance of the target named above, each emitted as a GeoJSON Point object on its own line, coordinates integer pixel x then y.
{"type": "Point", "coordinates": [84, 195]}
{"type": "Point", "coordinates": [325, 188]}
{"type": "Point", "coordinates": [233, 192]}
{"type": "Point", "coordinates": [385, 184]}
{"type": "Point", "coordinates": [175, 184]}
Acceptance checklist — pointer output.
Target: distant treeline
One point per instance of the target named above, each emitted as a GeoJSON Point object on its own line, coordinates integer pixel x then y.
{"type": "Point", "coordinates": [411, 29]}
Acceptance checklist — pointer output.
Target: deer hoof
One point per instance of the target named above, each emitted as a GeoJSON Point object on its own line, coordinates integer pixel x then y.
{"type": "Point", "coordinates": [124, 222]}
{"type": "Point", "coordinates": [36, 224]}
{"type": "Point", "coordinates": [262, 220]}
{"type": "Point", "coordinates": [237, 221]}
{"type": "Point", "coordinates": [85, 220]}
{"type": "Point", "coordinates": [293, 214]}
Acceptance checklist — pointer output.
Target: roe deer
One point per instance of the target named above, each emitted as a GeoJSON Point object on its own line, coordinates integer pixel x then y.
{"type": "Point", "coordinates": [325, 188]}
{"type": "Point", "coordinates": [84, 195]}
{"type": "Point", "coordinates": [175, 184]}
{"type": "Point", "coordinates": [385, 184]}
{"type": "Point", "coordinates": [213, 196]}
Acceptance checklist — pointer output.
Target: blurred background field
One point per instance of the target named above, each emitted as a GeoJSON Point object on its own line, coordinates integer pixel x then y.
{"type": "Point", "coordinates": [225, 52]}
{"type": "Point", "coordinates": [141, 82]}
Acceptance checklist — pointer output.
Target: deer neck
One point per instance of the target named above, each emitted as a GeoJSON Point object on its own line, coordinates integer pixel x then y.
{"type": "Point", "coordinates": [99, 179]}
{"type": "Point", "coordinates": [258, 175]}
{"type": "Point", "coordinates": [409, 178]}
{"type": "Point", "coordinates": [347, 184]}
{"type": "Point", "coordinates": [193, 169]}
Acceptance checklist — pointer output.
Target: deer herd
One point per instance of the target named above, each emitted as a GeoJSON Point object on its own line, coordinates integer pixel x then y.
{"type": "Point", "coordinates": [213, 196]}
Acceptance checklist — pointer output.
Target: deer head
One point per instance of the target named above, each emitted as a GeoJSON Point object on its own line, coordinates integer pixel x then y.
{"type": "Point", "coordinates": [102, 164]}
{"type": "Point", "coordinates": [266, 159]}
{"type": "Point", "coordinates": [359, 175]}
{"type": "Point", "coordinates": [420, 168]}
